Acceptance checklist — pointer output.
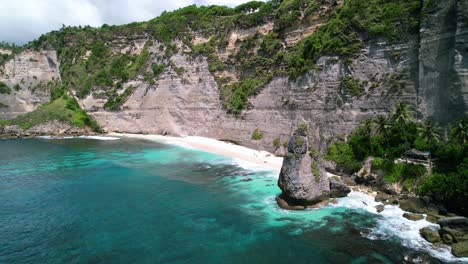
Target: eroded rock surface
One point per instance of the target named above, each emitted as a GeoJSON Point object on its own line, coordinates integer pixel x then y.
{"type": "Point", "coordinates": [302, 179]}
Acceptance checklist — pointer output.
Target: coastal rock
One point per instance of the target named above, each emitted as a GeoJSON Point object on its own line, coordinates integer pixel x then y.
{"type": "Point", "coordinates": [365, 175]}
{"type": "Point", "coordinates": [430, 235]}
{"type": "Point", "coordinates": [380, 208]}
{"type": "Point", "coordinates": [460, 249]}
{"type": "Point", "coordinates": [285, 205]}
{"type": "Point", "coordinates": [447, 238]}
{"type": "Point", "coordinates": [457, 222]}
{"type": "Point", "coordinates": [457, 235]}
{"type": "Point", "coordinates": [413, 217]}
{"type": "Point", "coordinates": [302, 179]}
{"type": "Point", "coordinates": [382, 197]}
{"type": "Point", "coordinates": [432, 218]}
{"type": "Point", "coordinates": [338, 189]}
{"type": "Point", "coordinates": [413, 205]}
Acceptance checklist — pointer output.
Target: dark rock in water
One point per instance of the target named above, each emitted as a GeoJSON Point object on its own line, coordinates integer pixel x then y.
{"type": "Point", "coordinates": [460, 249]}
{"type": "Point", "coordinates": [285, 205]}
{"type": "Point", "coordinates": [413, 205]}
{"type": "Point", "coordinates": [457, 222]}
{"type": "Point", "coordinates": [447, 238]}
{"type": "Point", "coordinates": [380, 208]}
{"type": "Point", "coordinates": [382, 197]}
{"type": "Point", "coordinates": [392, 200]}
{"type": "Point", "coordinates": [303, 180]}
{"type": "Point", "coordinates": [413, 217]}
{"type": "Point", "coordinates": [457, 235]}
{"type": "Point", "coordinates": [338, 189]}
{"type": "Point", "coordinates": [430, 235]}
{"type": "Point", "coordinates": [432, 218]}
{"type": "Point", "coordinates": [246, 179]}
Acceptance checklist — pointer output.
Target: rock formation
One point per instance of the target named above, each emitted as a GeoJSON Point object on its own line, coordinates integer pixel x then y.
{"type": "Point", "coordinates": [303, 180]}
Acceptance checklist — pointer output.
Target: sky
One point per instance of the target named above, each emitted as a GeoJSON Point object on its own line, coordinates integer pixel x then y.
{"type": "Point", "coordinates": [24, 20]}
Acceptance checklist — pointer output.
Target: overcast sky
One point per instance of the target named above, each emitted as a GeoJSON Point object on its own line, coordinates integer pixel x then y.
{"type": "Point", "coordinates": [24, 20]}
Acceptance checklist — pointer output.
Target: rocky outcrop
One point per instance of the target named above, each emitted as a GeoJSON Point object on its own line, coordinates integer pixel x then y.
{"type": "Point", "coordinates": [338, 189]}
{"type": "Point", "coordinates": [51, 128]}
{"type": "Point", "coordinates": [430, 234]}
{"type": "Point", "coordinates": [413, 217]}
{"type": "Point", "coordinates": [302, 179]}
{"type": "Point", "coordinates": [453, 232]}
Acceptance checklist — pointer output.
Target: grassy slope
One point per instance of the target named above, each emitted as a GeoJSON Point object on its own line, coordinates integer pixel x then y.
{"type": "Point", "coordinates": [64, 109]}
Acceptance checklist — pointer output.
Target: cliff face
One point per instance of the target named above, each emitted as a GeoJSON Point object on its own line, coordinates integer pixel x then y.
{"type": "Point", "coordinates": [28, 74]}
{"type": "Point", "coordinates": [443, 65]}
{"type": "Point", "coordinates": [428, 70]}
{"type": "Point", "coordinates": [189, 104]}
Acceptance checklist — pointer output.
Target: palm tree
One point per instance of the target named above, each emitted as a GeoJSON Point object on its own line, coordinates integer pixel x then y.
{"type": "Point", "coordinates": [430, 132]}
{"type": "Point", "coordinates": [382, 125]}
{"type": "Point", "coordinates": [460, 131]}
{"type": "Point", "coordinates": [402, 113]}
{"type": "Point", "coordinates": [367, 125]}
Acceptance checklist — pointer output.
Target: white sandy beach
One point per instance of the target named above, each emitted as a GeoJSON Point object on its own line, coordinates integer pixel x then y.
{"type": "Point", "coordinates": [259, 158]}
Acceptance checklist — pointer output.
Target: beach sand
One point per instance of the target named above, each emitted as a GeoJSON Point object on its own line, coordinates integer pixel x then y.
{"type": "Point", "coordinates": [255, 157]}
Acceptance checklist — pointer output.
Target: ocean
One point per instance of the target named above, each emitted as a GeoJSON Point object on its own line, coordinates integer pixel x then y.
{"type": "Point", "coordinates": [111, 200]}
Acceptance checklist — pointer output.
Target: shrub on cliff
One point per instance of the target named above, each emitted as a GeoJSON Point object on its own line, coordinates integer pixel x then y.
{"type": "Point", "coordinates": [4, 89]}
{"type": "Point", "coordinates": [257, 134]}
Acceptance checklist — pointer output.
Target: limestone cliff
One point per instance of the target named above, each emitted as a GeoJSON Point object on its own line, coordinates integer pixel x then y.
{"type": "Point", "coordinates": [158, 82]}
{"type": "Point", "coordinates": [303, 180]}
{"type": "Point", "coordinates": [443, 64]}
{"type": "Point", "coordinates": [28, 74]}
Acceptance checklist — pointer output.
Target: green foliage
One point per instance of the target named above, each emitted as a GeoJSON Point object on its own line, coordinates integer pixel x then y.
{"type": "Point", "coordinates": [378, 163]}
{"type": "Point", "coordinates": [315, 170]}
{"type": "Point", "coordinates": [157, 69]}
{"type": "Point", "coordinates": [404, 172]}
{"type": "Point", "coordinates": [276, 143]}
{"type": "Point", "coordinates": [449, 188]}
{"type": "Point", "coordinates": [64, 109]}
{"type": "Point", "coordinates": [352, 86]}
{"type": "Point", "coordinates": [290, 11]}
{"type": "Point", "coordinates": [235, 96]}
{"type": "Point", "coordinates": [4, 89]}
{"type": "Point", "coordinates": [342, 153]}
{"type": "Point", "coordinates": [304, 127]}
{"type": "Point", "coordinates": [115, 100]}
{"type": "Point", "coordinates": [257, 134]}
{"type": "Point", "coordinates": [270, 44]}
{"type": "Point", "coordinates": [13, 48]}
{"type": "Point", "coordinates": [459, 131]}
{"type": "Point", "coordinates": [299, 141]}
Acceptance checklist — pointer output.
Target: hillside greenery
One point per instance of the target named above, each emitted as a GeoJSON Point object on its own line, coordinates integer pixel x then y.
{"type": "Point", "coordinates": [88, 61]}
{"type": "Point", "coordinates": [63, 109]}
{"type": "Point", "coordinates": [388, 138]}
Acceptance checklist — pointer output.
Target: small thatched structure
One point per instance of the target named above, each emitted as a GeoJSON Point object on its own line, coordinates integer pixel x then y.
{"type": "Point", "coordinates": [417, 155]}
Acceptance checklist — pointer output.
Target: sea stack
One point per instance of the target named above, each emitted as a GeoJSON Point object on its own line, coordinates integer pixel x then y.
{"type": "Point", "coordinates": [303, 179]}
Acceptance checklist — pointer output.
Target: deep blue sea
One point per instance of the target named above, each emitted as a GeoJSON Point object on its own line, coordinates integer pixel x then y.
{"type": "Point", "coordinates": [133, 201]}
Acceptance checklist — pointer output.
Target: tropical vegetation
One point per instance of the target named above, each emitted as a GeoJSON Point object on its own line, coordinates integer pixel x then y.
{"type": "Point", "coordinates": [388, 138]}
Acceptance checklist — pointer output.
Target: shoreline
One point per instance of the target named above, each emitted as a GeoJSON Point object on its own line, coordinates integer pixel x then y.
{"type": "Point", "coordinates": [256, 157]}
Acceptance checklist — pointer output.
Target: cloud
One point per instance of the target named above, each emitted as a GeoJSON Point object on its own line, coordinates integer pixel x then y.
{"type": "Point", "coordinates": [24, 20]}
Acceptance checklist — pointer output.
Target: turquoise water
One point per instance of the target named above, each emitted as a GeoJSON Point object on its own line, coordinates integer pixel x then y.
{"type": "Point", "coordinates": [131, 201]}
